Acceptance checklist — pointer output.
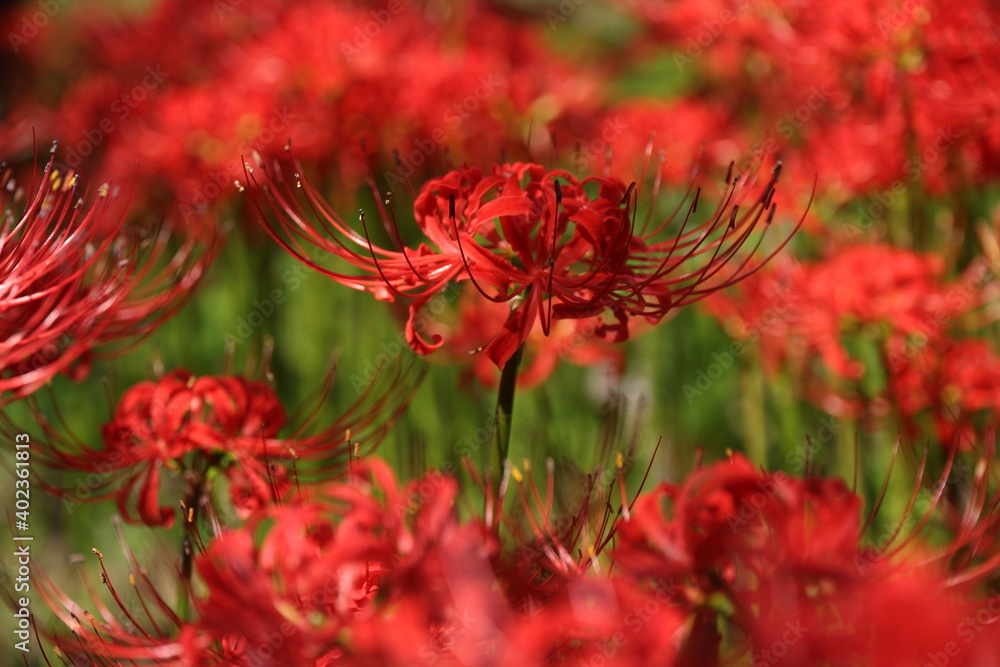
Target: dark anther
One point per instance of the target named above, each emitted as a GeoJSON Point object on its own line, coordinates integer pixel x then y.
{"type": "Point", "coordinates": [628, 193]}
{"type": "Point", "coordinates": [451, 206]}
{"type": "Point", "coordinates": [768, 196]}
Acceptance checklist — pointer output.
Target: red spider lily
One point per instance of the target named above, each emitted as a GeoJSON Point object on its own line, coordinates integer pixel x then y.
{"type": "Point", "coordinates": [781, 560]}
{"type": "Point", "coordinates": [544, 243]}
{"type": "Point", "coordinates": [741, 563]}
{"type": "Point", "coordinates": [331, 570]}
{"type": "Point", "coordinates": [893, 299]}
{"type": "Point", "coordinates": [877, 95]}
{"type": "Point", "coordinates": [573, 341]}
{"type": "Point", "coordinates": [366, 572]}
{"type": "Point", "coordinates": [147, 630]}
{"type": "Point", "coordinates": [957, 381]}
{"type": "Point", "coordinates": [74, 278]}
{"type": "Point", "coordinates": [192, 105]}
{"type": "Point", "coordinates": [387, 575]}
{"type": "Point", "coordinates": [193, 425]}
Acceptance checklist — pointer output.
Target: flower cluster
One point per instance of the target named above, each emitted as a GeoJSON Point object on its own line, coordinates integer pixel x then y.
{"type": "Point", "coordinates": [74, 277]}
{"type": "Point", "coordinates": [906, 323]}
{"type": "Point", "coordinates": [537, 183]}
{"type": "Point", "coordinates": [869, 94]}
{"type": "Point", "coordinates": [246, 75]}
{"type": "Point", "coordinates": [731, 560]}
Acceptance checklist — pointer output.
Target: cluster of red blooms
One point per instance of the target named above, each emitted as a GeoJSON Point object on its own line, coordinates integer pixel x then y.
{"type": "Point", "coordinates": [193, 427]}
{"type": "Point", "coordinates": [921, 360]}
{"type": "Point", "coordinates": [74, 278]}
{"type": "Point", "coordinates": [870, 94]}
{"type": "Point", "coordinates": [242, 76]}
{"type": "Point", "coordinates": [731, 564]}
{"type": "Point", "coordinates": [303, 550]}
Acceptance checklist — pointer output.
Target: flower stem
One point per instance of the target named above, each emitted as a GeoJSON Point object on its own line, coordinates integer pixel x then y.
{"type": "Point", "coordinates": [191, 501]}
{"type": "Point", "coordinates": [504, 415]}
{"type": "Point", "coordinates": [754, 415]}
{"type": "Point", "coordinates": [196, 488]}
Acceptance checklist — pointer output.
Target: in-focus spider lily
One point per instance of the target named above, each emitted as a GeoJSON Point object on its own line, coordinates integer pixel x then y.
{"type": "Point", "coordinates": [546, 243]}
{"type": "Point", "coordinates": [75, 277]}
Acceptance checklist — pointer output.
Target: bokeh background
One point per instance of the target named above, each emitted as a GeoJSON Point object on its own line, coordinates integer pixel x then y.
{"type": "Point", "coordinates": [886, 118]}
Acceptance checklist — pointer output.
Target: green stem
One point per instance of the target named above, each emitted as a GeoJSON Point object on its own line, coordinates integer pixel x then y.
{"type": "Point", "coordinates": [754, 415]}
{"type": "Point", "coordinates": [196, 487]}
{"type": "Point", "coordinates": [504, 415]}
{"type": "Point", "coordinates": [187, 552]}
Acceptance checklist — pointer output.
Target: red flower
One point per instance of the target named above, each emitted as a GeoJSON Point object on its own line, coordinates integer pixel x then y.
{"type": "Point", "coordinates": [191, 425]}
{"type": "Point", "coordinates": [779, 562]}
{"type": "Point", "coordinates": [74, 278]}
{"type": "Point", "coordinates": [894, 299]}
{"type": "Point", "coordinates": [548, 245]}
{"type": "Point", "coordinates": [874, 95]}
{"type": "Point", "coordinates": [958, 381]}
{"type": "Point", "coordinates": [226, 82]}
{"type": "Point", "coordinates": [333, 575]}
{"type": "Point", "coordinates": [145, 629]}
{"type": "Point", "coordinates": [573, 341]}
